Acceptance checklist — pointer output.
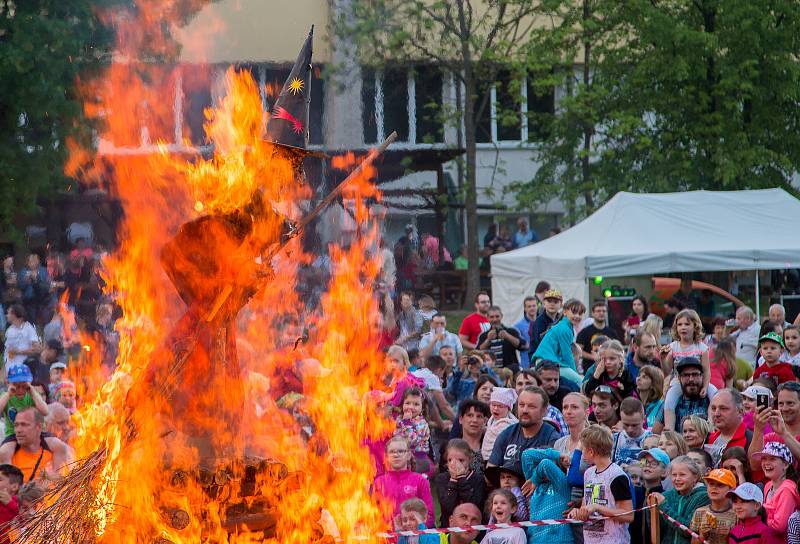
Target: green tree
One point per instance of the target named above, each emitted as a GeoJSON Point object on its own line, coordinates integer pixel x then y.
{"type": "Point", "coordinates": [673, 96]}
{"type": "Point", "coordinates": [44, 46]}
{"type": "Point", "coordinates": [474, 41]}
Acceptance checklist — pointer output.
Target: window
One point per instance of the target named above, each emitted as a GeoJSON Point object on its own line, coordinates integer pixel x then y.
{"type": "Point", "coordinates": [509, 110]}
{"type": "Point", "coordinates": [406, 100]}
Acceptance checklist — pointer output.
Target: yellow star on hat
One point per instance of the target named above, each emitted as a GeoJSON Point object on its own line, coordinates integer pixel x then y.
{"type": "Point", "coordinates": [296, 86]}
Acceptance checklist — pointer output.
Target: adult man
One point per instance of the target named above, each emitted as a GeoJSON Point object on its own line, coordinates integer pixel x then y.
{"type": "Point", "coordinates": [438, 337]}
{"type": "Point", "coordinates": [531, 431]}
{"type": "Point", "coordinates": [524, 236]}
{"type": "Point", "coordinates": [472, 417]}
{"type": "Point", "coordinates": [501, 341]}
{"type": "Point", "coordinates": [530, 307]}
{"type": "Point", "coordinates": [747, 335]}
{"type": "Point", "coordinates": [777, 314]}
{"type": "Point", "coordinates": [464, 515]}
{"type": "Point", "coordinates": [643, 353]}
{"type": "Point", "coordinates": [785, 423]}
{"type": "Point", "coordinates": [684, 294]}
{"type": "Point", "coordinates": [726, 413]}
{"type": "Point", "coordinates": [40, 366]}
{"type": "Point", "coordinates": [37, 456]}
{"type": "Point", "coordinates": [690, 376]}
{"type": "Point", "coordinates": [597, 327]}
{"type": "Point", "coordinates": [21, 340]}
{"type": "Point", "coordinates": [58, 422]}
{"type": "Point", "coordinates": [449, 355]}
{"type": "Point", "coordinates": [549, 374]}
{"type": "Point", "coordinates": [475, 323]}
{"type": "Point", "coordinates": [551, 300]}
{"type": "Point", "coordinates": [628, 442]}
{"type": "Point", "coordinates": [605, 406]}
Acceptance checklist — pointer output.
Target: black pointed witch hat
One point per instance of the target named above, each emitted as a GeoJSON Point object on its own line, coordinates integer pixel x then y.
{"type": "Point", "coordinates": [288, 121]}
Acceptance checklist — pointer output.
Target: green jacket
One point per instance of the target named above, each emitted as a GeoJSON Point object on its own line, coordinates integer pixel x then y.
{"type": "Point", "coordinates": [682, 508]}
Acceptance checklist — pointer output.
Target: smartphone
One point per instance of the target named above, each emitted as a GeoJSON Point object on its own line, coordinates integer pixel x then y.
{"type": "Point", "coordinates": [762, 401]}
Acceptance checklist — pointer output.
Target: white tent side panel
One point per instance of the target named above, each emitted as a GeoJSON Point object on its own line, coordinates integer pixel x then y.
{"type": "Point", "coordinates": [643, 234]}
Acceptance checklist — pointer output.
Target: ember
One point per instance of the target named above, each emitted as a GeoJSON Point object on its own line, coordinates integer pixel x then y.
{"type": "Point", "coordinates": [184, 442]}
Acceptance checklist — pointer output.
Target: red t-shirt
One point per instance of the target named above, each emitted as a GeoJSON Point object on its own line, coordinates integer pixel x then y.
{"type": "Point", "coordinates": [7, 513]}
{"type": "Point", "coordinates": [781, 372]}
{"type": "Point", "coordinates": [473, 325]}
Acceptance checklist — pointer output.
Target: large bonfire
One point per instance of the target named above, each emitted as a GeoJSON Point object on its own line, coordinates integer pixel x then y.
{"type": "Point", "coordinates": [185, 441]}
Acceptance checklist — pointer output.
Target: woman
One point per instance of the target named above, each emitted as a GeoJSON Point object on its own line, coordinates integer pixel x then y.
{"type": "Point", "coordinates": [654, 325]}
{"type": "Point", "coordinates": [695, 430]}
{"type": "Point", "coordinates": [650, 390]}
{"type": "Point", "coordinates": [574, 408]}
{"type": "Point", "coordinates": [717, 332]}
{"type": "Point", "coordinates": [482, 392]}
{"type": "Point", "coordinates": [688, 494]}
{"type": "Point", "coordinates": [639, 313]}
{"type": "Point", "coordinates": [409, 321]}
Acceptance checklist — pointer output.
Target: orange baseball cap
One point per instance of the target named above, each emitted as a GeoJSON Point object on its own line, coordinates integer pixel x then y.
{"type": "Point", "coordinates": [723, 476]}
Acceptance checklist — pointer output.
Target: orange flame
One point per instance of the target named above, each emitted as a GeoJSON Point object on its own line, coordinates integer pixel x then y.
{"type": "Point", "coordinates": [199, 236]}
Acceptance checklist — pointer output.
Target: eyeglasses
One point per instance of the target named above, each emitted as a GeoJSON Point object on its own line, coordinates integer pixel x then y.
{"type": "Point", "coordinates": [396, 452]}
{"type": "Point", "coordinates": [692, 375]}
{"type": "Point", "coordinates": [649, 463]}
{"type": "Point", "coordinates": [604, 389]}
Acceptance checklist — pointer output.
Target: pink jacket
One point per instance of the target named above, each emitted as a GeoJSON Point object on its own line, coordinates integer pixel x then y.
{"type": "Point", "coordinates": [779, 507]}
{"type": "Point", "coordinates": [395, 486]}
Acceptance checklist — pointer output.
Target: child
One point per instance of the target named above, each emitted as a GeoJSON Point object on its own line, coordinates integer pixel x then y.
{"type": "Point", "coordinates": [672, 443]}
{"type": "Point", "coordinates": [414, 428]}
{"type": "Point", "coordinates": [791, 341]}
{"type": "Point", "coordinates": [687, 495]}
{"type": "Point", "coordinates": [501, 403]}
{"type": "Point", "coordinates": [427, 308]}
{"type": "Point", "coordinates": [747, 499]}
{"type": "Point", "coordinates": [65, 394]}
{"type": "Point", "coordinates": [715, 521]}
{"type": "Point", "coordinates": [687, 335]}
{"type": "Point", "coordinates": [650, 390]}
{"type": "Point", "coordinates": [749, 397]}
{"type": "Point", "coordinates": [551, 494]}
{"type": "Point", "coordinates": [703, 459]}
{"type": "Point", "coordinates": [502, 504]}
{"type": "Point", "coordinates": [507, 477]}
{"type": "Point", "coordinates": [770, 346]}
{"type": "Point", "coordinates": [20, 395]}
{"type": "Point", "coordinates": [460, 483]}
{"type": "Point", "coordinates": [556, 345]}
{"type": "Point", "coordinates": [628, 442]}
{"type": "Point", "coordinates": [651, 442]}
{"type": "Point", "coordinates": [413, 514]}
{"type": "Point", "coordinates": [399, 483]}
{"type": "Point", "coordinates": [653, 463]}
{"type": "Point", "coordinates": [780, 491]}
{"type": "Point", "coordinates": [10, 480]}
{"type": "Point", "coordinates": [606, 491]}
{"type": "Point", "coordinates": [57, 371]}
{"type": "Point", "coordinates": [610, 370]}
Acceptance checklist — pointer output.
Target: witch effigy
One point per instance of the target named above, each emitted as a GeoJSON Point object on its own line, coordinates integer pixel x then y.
{"type": "Point", "coordinates": [217, 263]}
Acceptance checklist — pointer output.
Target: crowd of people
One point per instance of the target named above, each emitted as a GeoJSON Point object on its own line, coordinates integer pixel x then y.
{"type": "Point", "coordinates": [559, 417]}
{"type": "Point", "coordinates": [49, 307]}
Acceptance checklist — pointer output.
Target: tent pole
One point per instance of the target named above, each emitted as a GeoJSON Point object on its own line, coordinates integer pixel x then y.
{"type": "Point", "coordinates": [758, 298]}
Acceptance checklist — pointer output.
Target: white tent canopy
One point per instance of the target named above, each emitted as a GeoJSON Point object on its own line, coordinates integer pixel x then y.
{"type": "Point", "coordinates": [642, 234]}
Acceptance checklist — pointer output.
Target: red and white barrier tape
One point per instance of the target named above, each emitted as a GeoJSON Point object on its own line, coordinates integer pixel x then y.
{"type": "Point", "coordinates": [491, 526]}
{"type": "Point", "coordinates": [682, 527]}
{"type": "Point", "coordinates": [536, 523]}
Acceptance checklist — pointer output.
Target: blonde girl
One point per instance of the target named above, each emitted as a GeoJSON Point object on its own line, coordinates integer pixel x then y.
{"type": "Point", "coordinates": [687, 334]}
{"type": "Point", "coordinates": [650, 390]}
{"type": "Point", "coordinates": [673, 444]}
